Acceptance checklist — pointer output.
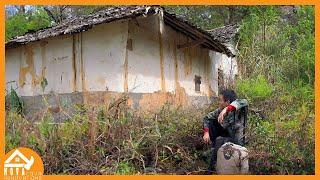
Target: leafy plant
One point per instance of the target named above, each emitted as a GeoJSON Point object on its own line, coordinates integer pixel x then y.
{"type": "Point", "coordinates": [255, 88]}
{"type": "Point", "coordinates": [19, 24]}
{"type": "Point", "coordinates": [15, 103]}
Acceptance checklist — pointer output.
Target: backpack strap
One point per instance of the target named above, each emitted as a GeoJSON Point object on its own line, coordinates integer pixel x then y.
{"type": "Point", "coordinates": [239, 124]}
{"type": "Point", "coordinates": [245, 114]}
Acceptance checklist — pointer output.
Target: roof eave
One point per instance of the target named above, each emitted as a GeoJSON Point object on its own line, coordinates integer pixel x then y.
{"type": "Point", "coordinates": [196, 34]}
{"type": "Point", "coordinates": [178, 24]}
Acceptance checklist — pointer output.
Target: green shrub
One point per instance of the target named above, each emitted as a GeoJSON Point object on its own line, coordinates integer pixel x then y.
{"type": "Point", "coordinates": [15, 130]}
{"type": "Point", "coordinates": [255, 88]}
{"type": "Point", "coordinates": [168, 142]}
{"type": "Point", "coordinates": [14, 102]}
{"type": "Point", "coordinates": [73, 129]}
{"type": "Point", "coordinates": [280, 143]}
{"type": "Point", "coordinates": [125, 168]}
{"type": "Point", "coordinates": [46, 126]}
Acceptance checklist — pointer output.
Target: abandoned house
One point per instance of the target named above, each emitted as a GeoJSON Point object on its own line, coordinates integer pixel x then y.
{"type": "Point", "coordinates": [151, 55]}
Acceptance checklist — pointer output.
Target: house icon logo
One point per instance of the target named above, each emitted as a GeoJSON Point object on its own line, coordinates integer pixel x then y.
{"type": "Point", "coordinates": [22, 163]}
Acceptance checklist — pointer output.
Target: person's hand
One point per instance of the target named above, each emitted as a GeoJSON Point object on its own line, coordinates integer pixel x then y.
{"type": "Point", "coordinates": [206, 137]}
{"type": "Point", "coordinates": [222, 115]}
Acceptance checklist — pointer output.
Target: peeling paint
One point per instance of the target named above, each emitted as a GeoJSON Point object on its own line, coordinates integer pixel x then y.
{"type": "Point", "coordinates": [125, 65]}
{"type": "Point", "coordinates": [145, 61]}
{"type": "Point", "coordinates": [83, 77]}
{"type": "Point", "coordinates": [125, 85]}
{"type": "Point", "coordinates": [187, 61]}
{"type": "Point", "coordinates": [176, 70]}
{"type": "Point", "coordinates": [29, 69]}
{"type": "Point", "coordinates": [151, 102]}
{"type": "Point", "coordinates": [43, 58]}
{"type": "Point", "coordinates": [207, 68]}
{"type": "Point", "coordinates": [211, 92]}
{"type": "Point", "coordinates": [60, 59]}
{"type": "Point", "coordinates": [74, 66]}
{"type": "Point", "coordinates": [181, 97]}
{"type": "Point", "coordinates": [54, 109]}
{"type": "Point", "coordinates": [163, 82]}
{"type": "Point", "coordinates": [100, 98]}
{"type": "Point", "coordinates": [130, 103]}
{"type": "Point", "coordinates": [139, 102]}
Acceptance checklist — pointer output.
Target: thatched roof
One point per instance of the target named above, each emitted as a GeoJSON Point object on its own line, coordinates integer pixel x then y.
{"type": "Point", "coordinates": [86, 22]}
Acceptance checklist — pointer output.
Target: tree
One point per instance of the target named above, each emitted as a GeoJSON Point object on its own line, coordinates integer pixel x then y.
{"type": "Point", "coordinates": [20, 23]}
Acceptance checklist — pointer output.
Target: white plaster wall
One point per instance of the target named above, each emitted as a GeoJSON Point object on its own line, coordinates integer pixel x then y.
{"type": "Point", "coordinates": [228, 65]}
{"type": "Point", "coordinates": [59, 66]}
{"type": "Point", "coordinates": [56, 61]}
{"type": "Point", "coordinates": [215, 62]}
{"type": "Point", "coordinates": [194, 58]}
{"type": "Point", "coordinates": [191, 62]}
{"type": "Point", "coordinates": [144, 59]}
{"type": "Point", "coordinates": [170, 53]}
{"type": "Point", "coordinates": [103, 52]}
{"type": "Point", "coordinates": [12, 66]}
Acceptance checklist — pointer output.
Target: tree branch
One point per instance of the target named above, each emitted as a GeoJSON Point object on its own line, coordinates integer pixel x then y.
{"type": "Point", "coordinates": [50, 14]}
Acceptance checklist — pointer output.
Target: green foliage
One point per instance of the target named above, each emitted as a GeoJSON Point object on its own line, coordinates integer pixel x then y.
{"type": "Point", "coordinates": [276, 59]}
{"type": "Point", "coordinates": [137, 143]}
{"type": "Point", "coordinates": [281, 49]}
{"type": "Point", "coordinates": [255, 88]}
{"type": "Point", "coordinates": [128, 144]}
{"type": "Point", "coordinates": [125, 168]}
{"type": "Point", "coordinates": [14, 102]}
{"type": "Point", "coordinates": [19, 24]}
{"type": "Point", "coordinates": [46, 126]}
{"type": "Point", "coordinates": [210, 17]}
{"type": "Point", "coordinates": [285, 145]}
{"type": "Point", "coordinates": [72, 129]}
{"type": "Point", "coordinates": [34, 18]}
{"type": "Point", "coordinates": [15, 130]}
{"type": "Point", "coordinates": [257, 18]}
{"type": "Point", "coordinates": [44, 84]}
{"type": "Point", "coordinates": [16, 25]}
{"type": "Point", "coordinates": [276, 64]}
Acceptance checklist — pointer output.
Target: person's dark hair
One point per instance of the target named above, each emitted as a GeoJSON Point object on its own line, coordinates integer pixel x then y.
{"type": "Point", "coordinates": [228, 95]}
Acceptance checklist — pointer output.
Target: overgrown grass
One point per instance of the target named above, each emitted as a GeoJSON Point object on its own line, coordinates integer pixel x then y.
{"type": "Point", "coordinates": [257, 88]}
{"type": "Point", "coordinates": [168, 142]}
{"type": "Point", "coordinates": [276, 75]}
{"type": "Point", "coordinates": [95, 142]}
{"type": "Point", "coordinates": [276, 60]}
{"type": "Point", "coordinates": [283, 141]}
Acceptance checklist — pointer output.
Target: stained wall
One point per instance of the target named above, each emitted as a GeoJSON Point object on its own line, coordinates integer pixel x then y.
{"type": "Point", "coordinates": [137, 56]}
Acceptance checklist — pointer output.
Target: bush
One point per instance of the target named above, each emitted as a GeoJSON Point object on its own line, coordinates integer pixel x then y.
{"type": "Point", "coordinates": [276, 66]}
{"type": "Point", "coordinates": [256, 88]}
{"type": "Point", "coordinates": [285, 147]}
{"type": "Point", "coordinates": [283, 141]}
{"type": "Point", "coordinates": [102, 143]}
{"type": "Point", "coordinates": [13, 102]}
{"type": "Point", "coordinates": [168, 142]}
